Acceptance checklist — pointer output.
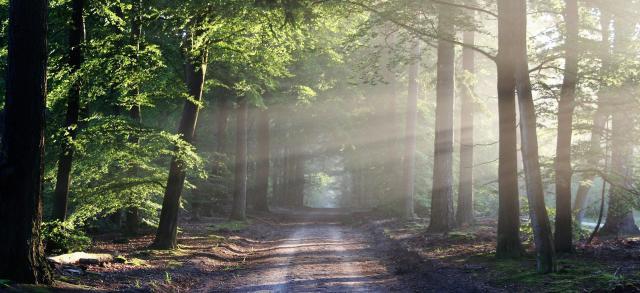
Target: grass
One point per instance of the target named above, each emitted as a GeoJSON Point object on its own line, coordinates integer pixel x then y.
{"type": "Point", "coordinates": [572, 276]}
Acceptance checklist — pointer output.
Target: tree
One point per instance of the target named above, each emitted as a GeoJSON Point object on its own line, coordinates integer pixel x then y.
{"type": "Point", "coordinates": [564, 228]}
{"type": "Point", "coordinates": [542, 236]}
{"type": "Point", "coordinates": [464, 214]}
{"type": "Point", "coordinates": [442, 216]}
{"type": "Point", "coordinates": [600, 118]}
{"type": "Point", "coordinates": [76, 43]}
{"type": "Point", "coordinates": [408, 167]}
{"type": "Point", "coordinates": [509, 206]}
{"type": "Point", "coordinates": [239, 206]}
{"type": "Point", "coordinates": [21, 161]}
{"type": "Point", "coordinates": [619, 212]}
{"type": "Point", "coordinates": [166, 235]}
{"type": "Point", "coordinates": [263, 161]}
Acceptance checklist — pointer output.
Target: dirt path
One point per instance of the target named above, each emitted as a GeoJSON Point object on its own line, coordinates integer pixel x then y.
{"type": "Point", "coordinates": [311, 257]}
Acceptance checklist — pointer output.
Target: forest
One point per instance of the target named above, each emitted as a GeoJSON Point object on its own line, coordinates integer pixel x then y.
{"type": "Point", "coordinates": [319, 146]}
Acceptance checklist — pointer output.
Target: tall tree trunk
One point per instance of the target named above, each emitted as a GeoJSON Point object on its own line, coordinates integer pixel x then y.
{"type": "Point", "coordinates": [63, 177]}
{"type": "Point", "coordinates": [442, 217]}
{"type": "Point", "coordinates": [600, 118]}
{"type": "Point", "coordinates": [299, 179]}
{"type": "Point", "coordinates": [408, 162]}
{"type": "Point", "coordinates": [464, 215]}
{"type": "Point", "coordinates": [542, 235]}
{"type": "Point", "coordinates": [22, 157]}
{"type": "Point", "coordinates": [563, 232]}
{"type": "Point", "coordinates": [166, 235]}
{"type": "Point", "coordinates": [263, 161]}
{"type": "Point", "coordinates": [619, 213]}
{"type": "Point", "coordinates": [509, 206]}
{"type": "Point", "coordinates": [239, 208]}
{"type": "Point", "coordinates": [133, 214]}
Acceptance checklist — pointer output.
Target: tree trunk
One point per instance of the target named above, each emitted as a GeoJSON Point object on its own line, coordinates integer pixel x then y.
{"type": "Point", "coordinates": [22, 156]}
{"type": "Point", "coordinates": [263, 161]}
{"type": "Point", "coordinates": [240, 179]}
{"type": "Point", "coordinates": [563, 232]}
{"type": "Point", "coordinates": [509, 205]}
{"type": "Point", "coordinates": [408, 162]}
{"type": "Point", "coordinates": [166, 235]}
{"type": "Point", "coordinates": [63, 177]}
{"type": "Point", "coordinates": [599, 121]}
{"type": "Point", "coordinates": [464, 215]}
{"type": "Point", "coordinates": [442, 217]}
{"type": "Point", "coordinates": [619, 213]}
{"type": "Point", "coordinates": [543, 239]}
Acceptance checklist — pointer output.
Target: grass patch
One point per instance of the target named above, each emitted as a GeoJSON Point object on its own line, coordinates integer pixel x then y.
{"type": "Point", "coordinates": [572, 276]}
{"type": "Point", "coordinates": [230, 226]}
{"type": "Point", "coordinates": [136, 262]}
{"type": "Point", "coordinates": [174, 264]}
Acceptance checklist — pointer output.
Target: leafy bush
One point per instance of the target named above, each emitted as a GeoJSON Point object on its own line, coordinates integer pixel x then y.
{"type": "Point", "coordinates": [62, 237]}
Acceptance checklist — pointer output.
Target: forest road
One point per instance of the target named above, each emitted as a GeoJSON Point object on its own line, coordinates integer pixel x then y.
{"type": "Point", "coordinates": [311, 256]}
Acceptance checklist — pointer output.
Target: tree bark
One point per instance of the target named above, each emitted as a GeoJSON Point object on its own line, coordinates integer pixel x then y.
{"type": "Point", "coordinates": [22, 157]}
{"type": "Point", "coordinates": [166, 235]}
{"type": "Point", "coordinates": [599, 121]}
{"type": "Point", "coordinates": [63, 176]}
{"type": "Point", "coordinates": [509, 205]}
{"type": "Point", "coordinates": [239, 208]}
{"type": "Point", "coordinates": [542, 235]}
{"type": "Point", "coordinates": [564, 228]}
{"type": "Point", "coordinates": [263, 161]}
{"type": "Point", "coordinates": [464, 215]}
{"type": "Point", "coordinates": [408, 162]}
{"type": "Point", "coordinates": [442, 216]}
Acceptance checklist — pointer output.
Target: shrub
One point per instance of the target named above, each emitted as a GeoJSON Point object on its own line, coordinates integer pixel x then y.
{"type": "Point", "coordinates": [62, 237]}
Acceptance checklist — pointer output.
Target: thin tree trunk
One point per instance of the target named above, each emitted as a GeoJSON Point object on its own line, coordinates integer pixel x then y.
{"type": "Point", "coordinates": [542, 235]}
{"type": "Point", "coordinates": [464, 215]}
{"type": "Point", "coordinates": [63, 177]}
{"type": "Point", "coordinates": [563, 232]}
{"type": "Point", "coordinates": [240, 179]}
{"type": "Point", "coordinates": [599, 120]}
{"type": "Point", "coordinates": [442, 216]}
{"type": "Point", "coordinates": [22, 157]}
{"type": "Point", "coordinates": [263, 161]}
{"type": "Point", "coordinates": [166, 235]}
{"type": "Point", "coordinates": [509, 206]}
{"type": "Point", "coordinates": [408, 178]}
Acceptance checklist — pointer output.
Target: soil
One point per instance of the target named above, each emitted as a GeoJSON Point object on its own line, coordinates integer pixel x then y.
{"type": "Point", "coordinates": [315, 251]}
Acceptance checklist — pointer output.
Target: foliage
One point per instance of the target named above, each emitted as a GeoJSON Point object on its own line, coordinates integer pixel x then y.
{"type": "Point", "coordinates": [63, 237]}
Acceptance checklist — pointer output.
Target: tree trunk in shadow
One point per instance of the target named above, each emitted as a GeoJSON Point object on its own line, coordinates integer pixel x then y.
{"type": "Point", "coordinates": [22, 257]}
{"type": "Point", "coordinates": [166, 235]}
{"type": "Point", "coordinates": [63, 176]}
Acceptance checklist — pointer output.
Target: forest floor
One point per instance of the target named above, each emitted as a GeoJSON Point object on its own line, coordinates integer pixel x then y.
{"type": "Point", "coordinates": [334, 251]}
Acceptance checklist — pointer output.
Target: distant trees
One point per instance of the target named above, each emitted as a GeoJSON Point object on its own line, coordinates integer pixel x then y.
{"type": "Point", "coordinates": [239, 208]}
{"type": "Point", "coordinates": [464, 213]}
{"type": "Point", "coordinates": [408, 167]}
{"type": "Point", "coordinates": [22, 156]}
